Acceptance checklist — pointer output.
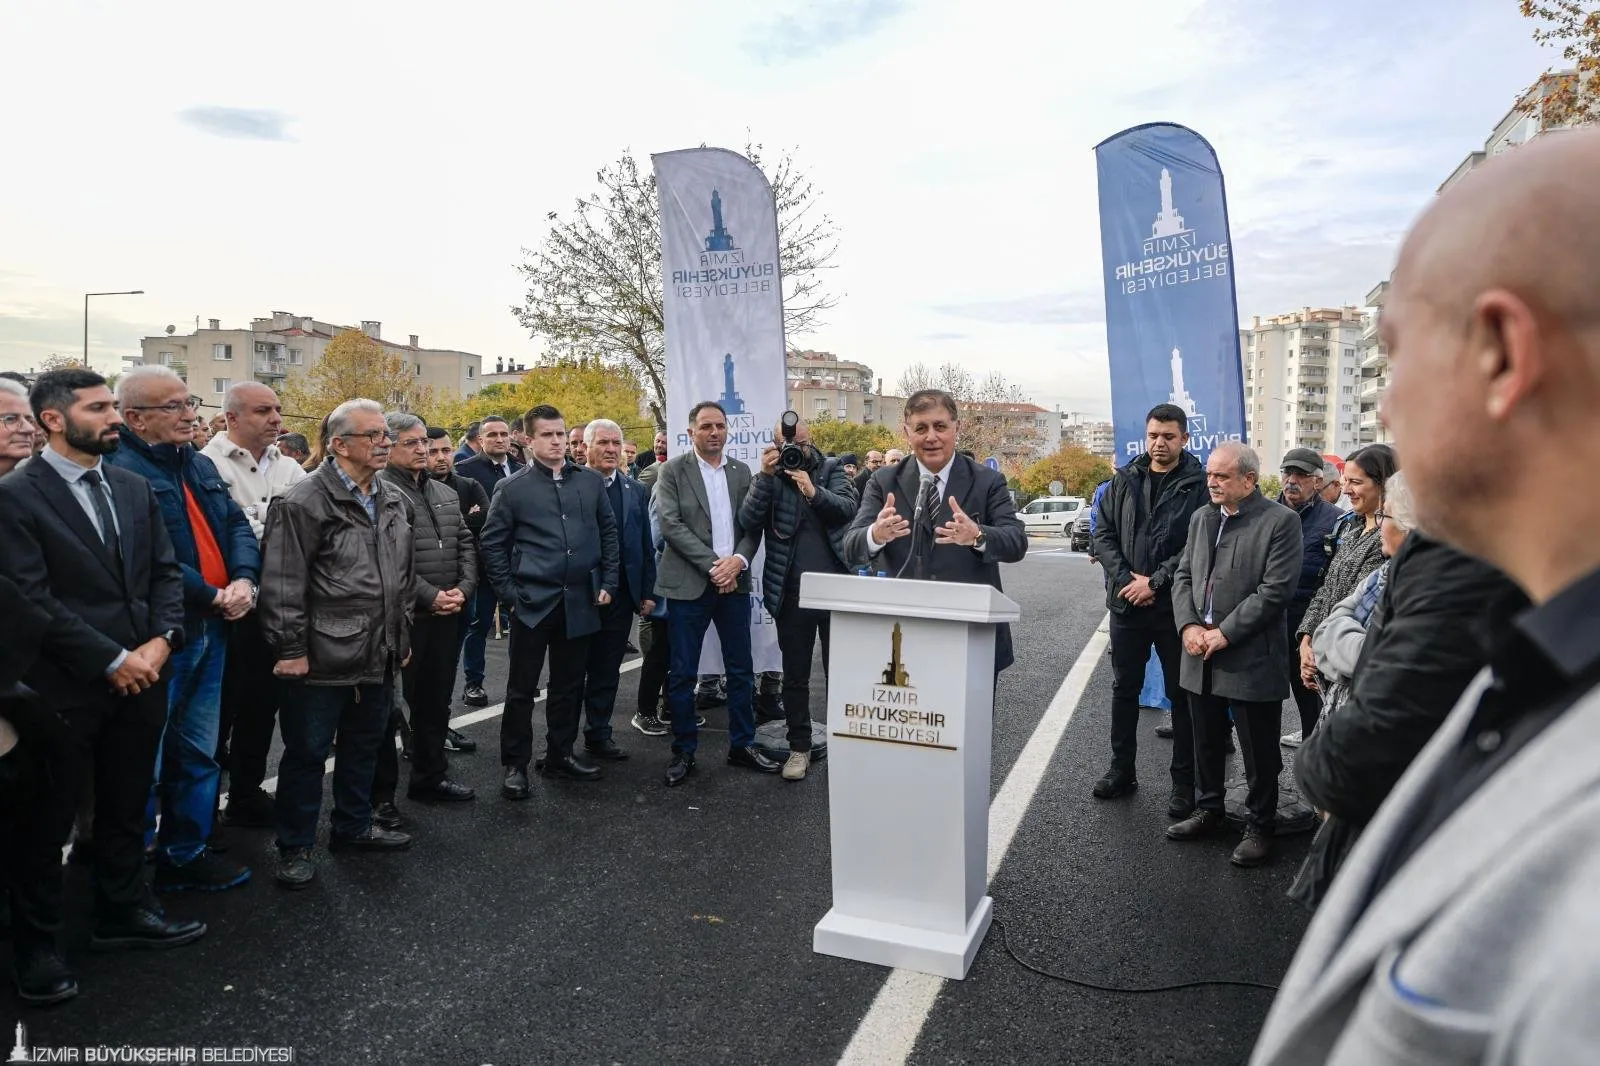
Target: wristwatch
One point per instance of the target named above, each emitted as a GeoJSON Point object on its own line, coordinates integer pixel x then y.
{"type": "Point", "coordinates": [978, 544]}
{"type": "Point", "coordinates": [171, 637]}
{"type": "Point", "coordinates": [1156, 580]}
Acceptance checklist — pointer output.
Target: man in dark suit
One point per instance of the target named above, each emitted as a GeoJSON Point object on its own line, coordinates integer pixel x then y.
{"type": "Point", "coordinates": [630, 504]}
{"type": "Point", "coordinates": [704, 576]}
{"type": "Point", "coordinates": [492, 465]}
{"type": "Point", "coordinates": [550, 550]}
{"type": "Point", "coordinates": [937, 515]}
{"type": "Point", "coordinates": [86, 542]}
{"type": "Point", "coordinates": [1230, 597]}
{"type": "Point", "coordinates": [475, 511]}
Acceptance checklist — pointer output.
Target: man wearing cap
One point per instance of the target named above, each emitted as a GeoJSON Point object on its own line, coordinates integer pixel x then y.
{"type": "Point", "coordinates": [1302, 494]}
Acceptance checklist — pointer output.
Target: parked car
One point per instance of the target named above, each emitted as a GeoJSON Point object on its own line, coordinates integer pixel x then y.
{"type": "Point", "coordinates": [1080, 531]}
{"type": "Point", "coordinates": [1053, 515]}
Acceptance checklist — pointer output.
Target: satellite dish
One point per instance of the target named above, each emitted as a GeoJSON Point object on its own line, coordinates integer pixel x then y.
{"type": "Point", "coordinates": [171, 330]}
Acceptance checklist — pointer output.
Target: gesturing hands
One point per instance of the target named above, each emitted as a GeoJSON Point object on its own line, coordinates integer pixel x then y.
{"type": "Point", "coordinates": [961, 529]}
{"type": "Point", "coordinates": [889, 525]}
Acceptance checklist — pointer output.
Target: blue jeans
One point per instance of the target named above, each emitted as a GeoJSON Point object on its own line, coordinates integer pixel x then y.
{"type": "Point", "coordinates": [187, 772]}
{"type": "Point", "coordinates": [310, 716]}
{"type": "Point", "coordinates": [476, 634]}
{"type": "Point", "coordinates": [1154, 693]}
{"type": "Point", "coordinates": [687, 622]}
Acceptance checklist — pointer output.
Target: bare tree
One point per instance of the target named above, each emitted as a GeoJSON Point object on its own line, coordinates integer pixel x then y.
{"type": "Point", "coordinates": [594, 283]}
{"type": "Point", "coordinates": [991, 423]}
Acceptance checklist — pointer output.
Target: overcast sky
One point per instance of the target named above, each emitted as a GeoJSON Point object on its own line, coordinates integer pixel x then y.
{"type": "Point", "coordinates": [389, 161]}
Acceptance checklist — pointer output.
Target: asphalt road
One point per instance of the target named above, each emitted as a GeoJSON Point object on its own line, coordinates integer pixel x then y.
{"type": "Point", "coordinates": [622, 922]}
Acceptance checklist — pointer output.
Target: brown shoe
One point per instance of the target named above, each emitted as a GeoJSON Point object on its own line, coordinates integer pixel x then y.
{"type": "Point", "coordinates": [1254, 849]}
{"type": "Point", "coordinates": [1202, 823]}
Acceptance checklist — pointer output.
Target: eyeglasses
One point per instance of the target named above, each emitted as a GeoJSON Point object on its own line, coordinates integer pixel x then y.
{"type": "Point", "coordinates": [173, 408]}
{"type": "Point", "coordinates": [10, 421]}
{"type": "Point", "coordinates": [371, 436]}
{"type": "Point", "coordinates": [411, 442]}
{"type": "Point", "coordinates": [1380, 515]}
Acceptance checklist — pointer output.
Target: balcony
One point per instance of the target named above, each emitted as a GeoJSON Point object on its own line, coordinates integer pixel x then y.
{"type": "Point", "coordinates": [1369, 328]}
{"type": "Point", "coordinates": [1372, 387]}
{"type": "Point", "coordinates": [178, 367]}
{"type": "Point", "coordinates": [1314, 408]}
{"type": "Point", "coordinates": [1369, 418]}
{"type": "Point", "coordinates": [1313, 357]}
{"type": "Point", "coordinates": [1314, 373]}
{"type": "Point", "coordinates": [275, 369]}
{"type": "Point", "coordinates": [1375, 356]}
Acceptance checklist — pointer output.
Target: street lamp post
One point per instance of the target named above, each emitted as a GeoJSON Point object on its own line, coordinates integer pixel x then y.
{"type": "Point", "coordinates": [125, 292]}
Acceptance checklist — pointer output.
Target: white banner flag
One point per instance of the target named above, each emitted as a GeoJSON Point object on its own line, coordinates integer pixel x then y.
{"type": "Point", "coordinates": [723, 300]}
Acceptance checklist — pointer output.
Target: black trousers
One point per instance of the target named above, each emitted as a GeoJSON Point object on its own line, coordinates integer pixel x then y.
{"type": "Point", "coordinates": [111, 743]}
{"type": "Point", "coordinates": [602, 670]}
{"type": "Point", "coordinates": [1133, 634]}
{"type": "Point", "coordinates": [32, 791]}
{"type": "Point", "coordinates": [1258, 725]}
{"type": "Point", "coordinates": [1308, 700]}
{"type": "Point", "coordinates": [427, 683]}
{"type": "Point", "coordinates": [249, 705]}
{"type": "Point", "coordinates": [653, 671]}
{"type": "Point", "coordinates": [567, 657]}
{"type": "Point", "coordinates": [798, 630]}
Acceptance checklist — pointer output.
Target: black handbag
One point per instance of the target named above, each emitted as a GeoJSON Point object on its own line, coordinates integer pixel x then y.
{"type": "Point", "coordinates": [1329, 847]}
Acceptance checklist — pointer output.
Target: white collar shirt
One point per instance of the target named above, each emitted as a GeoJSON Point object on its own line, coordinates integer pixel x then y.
{"type": "Point", "coordinates": [715, 479]}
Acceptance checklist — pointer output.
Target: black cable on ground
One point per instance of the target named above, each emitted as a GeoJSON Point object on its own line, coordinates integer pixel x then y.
{"type": "Point", "coordinates": [1005, 940]}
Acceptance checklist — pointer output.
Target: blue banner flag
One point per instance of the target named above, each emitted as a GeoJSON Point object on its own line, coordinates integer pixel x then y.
{"type": "Point", "coordinates": [1172, 322]}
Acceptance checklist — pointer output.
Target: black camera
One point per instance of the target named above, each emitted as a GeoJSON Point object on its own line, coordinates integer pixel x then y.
{"type": "Point", "coordinates": [792, 456]}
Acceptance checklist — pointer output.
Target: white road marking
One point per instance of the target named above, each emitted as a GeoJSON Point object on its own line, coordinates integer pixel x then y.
{"type": "Point", "coordinates": [889, 1031]}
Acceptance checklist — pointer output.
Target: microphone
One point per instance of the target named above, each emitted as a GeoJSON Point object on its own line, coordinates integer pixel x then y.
{"type": "Point", "coordinates": [928, 481]}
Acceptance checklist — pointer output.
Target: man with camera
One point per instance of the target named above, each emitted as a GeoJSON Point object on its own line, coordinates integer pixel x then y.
{"type": "Point", "coordinates": [802, 502]}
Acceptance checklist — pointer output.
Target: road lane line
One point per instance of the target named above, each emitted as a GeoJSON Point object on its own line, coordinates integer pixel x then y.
{"type": "Point", "coordinates": [888, 1033]}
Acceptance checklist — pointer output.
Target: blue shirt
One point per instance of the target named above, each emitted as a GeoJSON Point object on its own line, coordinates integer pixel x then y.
{"type": "Point", "coordinates": [369, 501]}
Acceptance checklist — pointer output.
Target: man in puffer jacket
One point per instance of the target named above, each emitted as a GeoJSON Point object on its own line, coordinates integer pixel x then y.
{"type": "Point", "coordinates": [803, 514]}
{"type": "Point", "coordinates": [446, 577]}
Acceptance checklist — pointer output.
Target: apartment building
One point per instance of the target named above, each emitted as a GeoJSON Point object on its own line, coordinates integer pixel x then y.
{"type": "Point", "coordinates": [273, 349]}
{"type": "Point", "coordinates": [1095, 437]}
{"type": "Point", "coordinates": [821, 383]}
{"type": "Point", "coordinates": [1302, 381]}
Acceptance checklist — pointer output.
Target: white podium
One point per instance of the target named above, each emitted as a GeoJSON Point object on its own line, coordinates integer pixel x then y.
{"type": "Point", "coordinates": [910, 706]}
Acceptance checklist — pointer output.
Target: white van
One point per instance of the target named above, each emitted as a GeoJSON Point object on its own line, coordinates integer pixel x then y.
{"type": "Point", "coordinates": [1052, 515]}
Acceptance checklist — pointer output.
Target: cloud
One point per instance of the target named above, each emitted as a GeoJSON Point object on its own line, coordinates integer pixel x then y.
{"type": "Point", "coordinates": [820, 27]}
{"type": "Point", "coordinates": [1044, 309]}
{"type": "Point", "coordinates": [943, 335]}
{"type": "Point", "coordinates": [248, 123]}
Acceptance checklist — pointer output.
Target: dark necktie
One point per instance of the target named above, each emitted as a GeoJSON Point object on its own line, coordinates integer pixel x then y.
{"type": "Point", "coordinates": [614, 492]}
{"type": "Point", "coordinates": [102, 510]}
{"type": "Point", "coordinates": [930, 499]}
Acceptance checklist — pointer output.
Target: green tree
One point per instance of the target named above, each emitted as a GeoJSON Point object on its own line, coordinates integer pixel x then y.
{"type": "Point", "coordinates": [594, 282]}
{"type": "Point", "coordinates": [1271, 486]}
{"type": "Point", "coordinates": [581, 389]}
{"type": "Point", "coordinates": [354, 365]}
{"type": "Point", "coordinates": [837, 437]}
{"type": "Point", "coordinates": [1078, 470]}
{"type": "Point", "coordinates": [1572, 96]}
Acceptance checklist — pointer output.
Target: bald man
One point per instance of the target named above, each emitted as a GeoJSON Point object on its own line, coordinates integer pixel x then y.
{"type": "Point", "coordinates": [1463, 926]}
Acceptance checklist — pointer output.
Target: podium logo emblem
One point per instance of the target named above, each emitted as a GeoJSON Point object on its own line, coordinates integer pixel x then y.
{"type": "Point", "coordinates": [20, 1051]}
{"type": "Point", "coordinates": [894, 675]}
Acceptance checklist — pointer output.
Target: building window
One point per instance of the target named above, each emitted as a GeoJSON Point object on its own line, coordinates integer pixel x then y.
{"type": "Point", "coordinates": [1349, 353]}
{"type": "Point", "coordinates": [296, 357]}
{"type": "Point", "coordinates": [223, 352]}
{"type": "Point", "coordinates": [165, 358]}
{"type": "Point", "coordinates": [221, 385]}
{"type": "Point", "coordinates": [1349, 371]}
{"type": "Point", "coordinates": [419, 370]}
{"type": "Point", "coordinates": [472, 372]}
{"type": "Point", "coordinates": [1349, 389]}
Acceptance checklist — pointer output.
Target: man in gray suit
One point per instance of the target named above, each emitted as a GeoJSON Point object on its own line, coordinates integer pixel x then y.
{"type": "Point", "coordinates": [704, 575]}
{"type": "Point", "coordinates": [1463, 926]}
{"type": "Point", "coordinates": [1230, 598]}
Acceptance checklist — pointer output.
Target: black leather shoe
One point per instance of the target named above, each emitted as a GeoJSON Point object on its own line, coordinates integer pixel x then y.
{"type": "Point", "coordinates": [567, 766]}
{"type": "Point", "coordinates": [295, 868]}
{"type": "Point", "coordinates": [43, 979]}
{"type": "Point", "coordinates": [454, 741]}
{"type": "Point", "coordinates": [606, 749]}
{"type": "Point", "coordinates": [443, 790]}
{"type": "Point", "coordinates": [248, 809]}
{"type": "Point", "coordinates": [143, 927]}
{"type": "Point", "coordinates": [1253, 850]}
{"type": "Point", "coordinates": [386, 815]}
{"type": "Point", "coordinates": [376, 838]}
{"type": "Point", "coordinates": [1181, 805]}
{"type": "Point", "coordinates": [1202, 823]}
{"type": "Point", "coordinates": [1164, 730]}
{"type": "Point", "coordinates": [679, 769]}
{"type": "Point", "coordinates": [752, 759]}
{"type": "Point", "coordinates": [474, 696]}
{"type": "Point", "coordinates": [1117, 782]}
{"type": "Point", "coordinates": [515, 786]}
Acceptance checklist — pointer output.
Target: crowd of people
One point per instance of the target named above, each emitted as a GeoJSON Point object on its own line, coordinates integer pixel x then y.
{"type": "Point", "coordinates": [181, 596]}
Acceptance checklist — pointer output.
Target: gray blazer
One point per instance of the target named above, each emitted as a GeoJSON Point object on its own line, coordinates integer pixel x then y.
{"type": "Point", "coordinates": [1491, 925]}
{"type": "Point", "coordinates": [1254, 578]}
{"type": "Point", "coordinates": [685, 517]}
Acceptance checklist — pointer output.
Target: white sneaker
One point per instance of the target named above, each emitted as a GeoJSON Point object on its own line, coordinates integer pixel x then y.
{"type": "Point", "coordinates": [1291, 740]}
{"type": "Point", "coordinates": [795, 768]}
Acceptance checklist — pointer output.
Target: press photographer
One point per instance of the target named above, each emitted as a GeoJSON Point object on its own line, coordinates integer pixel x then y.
{"type": "Point", "coordinates": [802, 502]}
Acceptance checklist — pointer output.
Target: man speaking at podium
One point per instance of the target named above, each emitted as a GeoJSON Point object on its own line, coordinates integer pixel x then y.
{"type": "Point", "coordinates": [936, 515]}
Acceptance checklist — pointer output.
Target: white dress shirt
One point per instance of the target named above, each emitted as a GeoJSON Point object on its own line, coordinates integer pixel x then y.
{"type": "Point", "coordinates": [942, 477]}
{"type": "Point", "coordinates": [715, 479]}
{"type": "Point", "coordinates": [82, 491]}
